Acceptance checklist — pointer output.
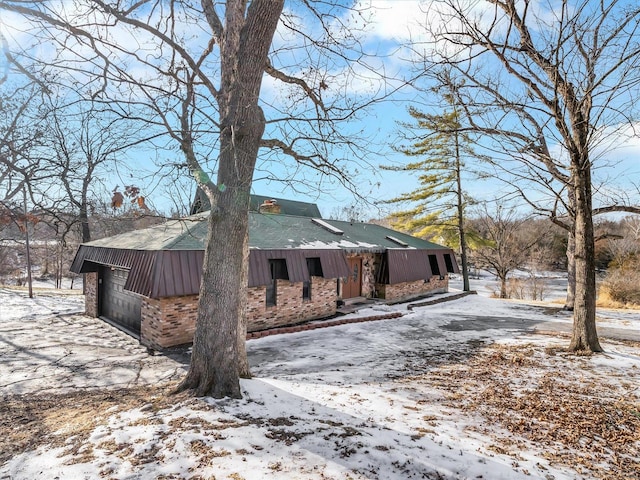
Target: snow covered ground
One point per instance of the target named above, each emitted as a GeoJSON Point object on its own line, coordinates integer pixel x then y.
{"type": "Point", "coordinates": [459, 390]}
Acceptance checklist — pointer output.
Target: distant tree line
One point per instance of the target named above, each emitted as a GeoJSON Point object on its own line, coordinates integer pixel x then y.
{"type": "Point", "coordinates": [521, 250]}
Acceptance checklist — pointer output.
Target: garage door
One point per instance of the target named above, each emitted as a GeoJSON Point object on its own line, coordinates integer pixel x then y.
{"type": "Point", "coordinates": [116, 303]}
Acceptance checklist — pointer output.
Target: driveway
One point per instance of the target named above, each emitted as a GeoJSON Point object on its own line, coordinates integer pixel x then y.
{"type": "Point", "coordinates": [46, 345]}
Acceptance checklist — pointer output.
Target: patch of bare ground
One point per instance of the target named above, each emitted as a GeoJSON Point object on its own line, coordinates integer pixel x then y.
{"type": "Point", "coordinates": [67, 420]}
{"type": "Point", "coordinates": [546, 400]}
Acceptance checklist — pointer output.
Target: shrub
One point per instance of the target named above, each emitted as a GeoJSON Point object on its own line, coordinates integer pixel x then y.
{"type": "Point", "coordinates": [621, 286]}
{"type": "Point", "coordinates": [532, 287]}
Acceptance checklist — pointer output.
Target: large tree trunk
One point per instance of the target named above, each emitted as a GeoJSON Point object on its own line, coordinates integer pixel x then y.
{"type": "Point", "coordinates": [84, 222]}
{"type": "Point", "coordinates": [584, 335]}
{"type": "Point", "coordinates": [571, 270]}
{"type": "Point", "coordinates": [571, 255]}
{"type": "Point", "coordinates": [218, 357]}
{"type": "Point", "coordinates": [215, 358]}
{"type": "Point", "coordinates": [461, 225]}
{"type": "Point", "coordinates": [503, 286]}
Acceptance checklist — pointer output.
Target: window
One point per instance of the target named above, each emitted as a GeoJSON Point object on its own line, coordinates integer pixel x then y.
{"type": "Point", "coordinates": [314, 266]}
{"type": "Point", "coordinates": [449, 263]}
{"type": "Point", "coordinates": [315, 270]}
{"type": "Point", "coordinates": [278, 269]}
{"type": "Point", "coordinates": [306, 290]}
{"type": "Point", "coordinates": [433, 263]}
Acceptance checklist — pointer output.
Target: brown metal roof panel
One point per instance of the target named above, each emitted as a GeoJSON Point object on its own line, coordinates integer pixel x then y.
{"type": "Point", "coordinates": [191, 262]}
{"type": "Point", "coordinates": [441, 263]}
{"type": "Point", "coordinates": [408, 265]}
{"type": "Point", "coordinates": [334, 263]}
{"type": "Point", "coordinates": [104, 256]}
{"type": "Point", "coordinates": [296, 263]}
{"type": "Point", "coordinates": [296, 266]}
{"type": "Point", "coordinates": [194, 263]}
{"type": "Point", "coordinates": [456, 267]}
{"type": "Point", "coordinates": [176, 279]}
{"type": "Point", "coordinates": [177, 272]}
{"type": "Point", "coordinates": [259, 273]}
{"type": "Point", "coordinates": [142, 265]}
{"type": "Point", "coordinates": [162, 279]}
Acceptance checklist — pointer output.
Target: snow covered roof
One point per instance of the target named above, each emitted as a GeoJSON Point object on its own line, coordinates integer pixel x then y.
{"type": "Point", "coordinates": [271, 231]}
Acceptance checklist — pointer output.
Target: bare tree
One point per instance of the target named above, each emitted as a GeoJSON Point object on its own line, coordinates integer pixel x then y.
{"type": "Point", "coordinates": [626, 245]}
{"type": "Point", "coordinates": [85, 144]}
{"type": "Point", "coordinates": [21, 136]}
{"type": "Point", "coordinates": [561, 216]}
{"type": "Point", "coordinates": [204, 64]}
{"type": "Point", "coordinates": [544, 81]}
{"type": "Point", "coordinates": [507, 243]}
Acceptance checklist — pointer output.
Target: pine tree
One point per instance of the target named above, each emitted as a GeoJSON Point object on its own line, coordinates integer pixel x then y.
{"type": "Point", "coordinates": [438, 205]}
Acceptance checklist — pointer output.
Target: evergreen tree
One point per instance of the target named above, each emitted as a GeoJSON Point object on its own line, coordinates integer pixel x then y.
{"type": "Point", "coordinates": [438, 205]}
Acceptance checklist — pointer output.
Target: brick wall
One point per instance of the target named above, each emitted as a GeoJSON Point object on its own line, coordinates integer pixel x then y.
{"type": "Point", "coordinates": [169, 321]}
{"type": "Point", "coordinates": [406, 290]}
{"type": "Point", "coordinates": [91, 294]}
{"type": "Point", "coordinates": [290, 306]}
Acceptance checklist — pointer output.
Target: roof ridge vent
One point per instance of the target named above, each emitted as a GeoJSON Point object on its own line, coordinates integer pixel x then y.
{"type": "Point", "coordinates": [397, 240]}
{"type": "Point", "coordinates": [327, 226]}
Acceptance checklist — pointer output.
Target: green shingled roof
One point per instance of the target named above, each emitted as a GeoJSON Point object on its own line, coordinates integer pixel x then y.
{"type": "Point", "coordinates": [269, 231]}
{"type": "Point", "coordinates": [201, 203]}
{"type": "Point", "coordinates": [180, 234]}
{"type": "Point", "coordinates": [283, 231]}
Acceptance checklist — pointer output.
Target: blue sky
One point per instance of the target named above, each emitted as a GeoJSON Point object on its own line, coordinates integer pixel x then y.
{"type": "Point", "coordinates": [385, 28]}
{"type": "Point", "coordinates": [389, 27]}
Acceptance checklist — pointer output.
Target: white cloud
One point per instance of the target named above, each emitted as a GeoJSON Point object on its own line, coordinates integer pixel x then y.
{"type": "Point", "coordinates": [397, 20]}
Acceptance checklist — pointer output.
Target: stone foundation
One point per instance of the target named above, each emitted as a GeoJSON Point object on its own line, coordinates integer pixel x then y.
{"type": "Point", "coordinates": [407, 290]}
{"type": "Point", "coordinates": [91, 294]}
{"type": "Point", "coordinates": [368, 275]}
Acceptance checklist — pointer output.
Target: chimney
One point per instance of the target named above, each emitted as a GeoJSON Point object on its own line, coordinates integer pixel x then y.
{"type": "Point", "coordinates": [269, 206]}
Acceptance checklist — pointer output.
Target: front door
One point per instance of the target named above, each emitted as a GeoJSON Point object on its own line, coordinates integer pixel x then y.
{"type": "Point", "coordinates": [352, 284]}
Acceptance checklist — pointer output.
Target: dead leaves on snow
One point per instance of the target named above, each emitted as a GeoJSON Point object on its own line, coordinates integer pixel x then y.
{"type": "Point", "coordinates": [550, 401]}
{"type": "Point", "coordinates": [27, 422]}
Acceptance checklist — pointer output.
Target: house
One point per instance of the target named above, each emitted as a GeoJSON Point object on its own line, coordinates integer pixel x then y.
{"type": "Point", "coordinates": [301, 267]}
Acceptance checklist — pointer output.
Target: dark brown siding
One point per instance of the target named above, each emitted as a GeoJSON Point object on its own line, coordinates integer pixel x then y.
{"type": "Point", "coordinates": [456, 267]}
{"type": "Point", "coordinates": [88, 258]}
{"type": "Point", "coordinates": [177, 272]}
{"type": "Point", "coordinates": [142, 264]}
{"type": "Point", "coordinates": [153, 274]}
{"type": "Point", "coordinates": [334, 264]}
{"type": "Point", "coordinates": [441, 263]}
{"type": "Point", "coordinates": [408, 265]}
{"type": "Point", "coordinates": [168, 273]}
